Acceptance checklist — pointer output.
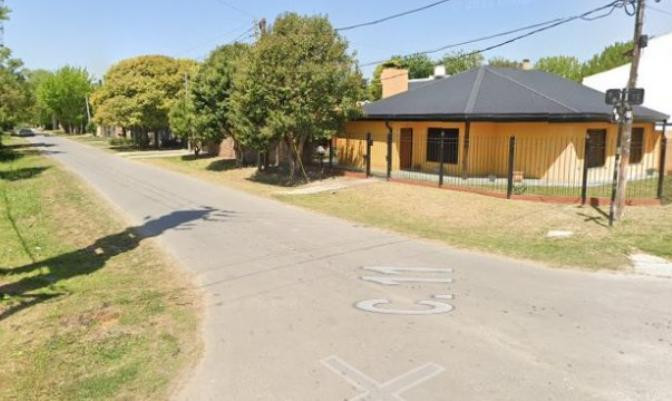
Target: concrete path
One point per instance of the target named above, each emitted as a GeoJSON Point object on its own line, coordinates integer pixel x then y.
{"type": "Point", "coordinates": [300, 306]}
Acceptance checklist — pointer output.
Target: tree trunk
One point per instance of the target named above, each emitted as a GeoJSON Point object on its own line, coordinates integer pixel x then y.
{"type": "Point", "coordinates": [291, 159]}
{"type": "Point", "coordinates": [156, 139]}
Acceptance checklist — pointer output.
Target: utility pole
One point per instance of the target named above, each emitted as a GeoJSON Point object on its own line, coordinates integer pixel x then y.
{"type": "Point", "coordinates": [625, 127]}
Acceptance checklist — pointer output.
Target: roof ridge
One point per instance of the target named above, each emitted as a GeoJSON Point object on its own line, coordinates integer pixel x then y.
{"type": "Point", "coordinates": [475, 90]}
{"type": "Point", "coordinates": [532, 90]}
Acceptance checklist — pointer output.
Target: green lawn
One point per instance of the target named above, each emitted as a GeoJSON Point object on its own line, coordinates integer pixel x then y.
{"type": "Point", "coordinates": [471, 221]}
{"type": "Point", "coordinates": [88, 310]}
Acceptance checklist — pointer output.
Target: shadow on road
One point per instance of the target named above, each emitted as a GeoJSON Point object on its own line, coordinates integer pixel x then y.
{"type": "Point", "coordinates": [48, 273]}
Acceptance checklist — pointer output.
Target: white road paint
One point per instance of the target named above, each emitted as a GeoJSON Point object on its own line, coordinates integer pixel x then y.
{"type": "Point", "coordinates": [388, 391]}
{"type": "Point", "coordinates": [436, 307]}
{"type": "Point", "coordinates": [402, 280]}
{"type": "Point", "coordinates": [398, 270]}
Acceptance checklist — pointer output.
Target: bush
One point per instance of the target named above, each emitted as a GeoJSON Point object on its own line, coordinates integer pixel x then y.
{"type": "Point", "coordinates": [121, 142]}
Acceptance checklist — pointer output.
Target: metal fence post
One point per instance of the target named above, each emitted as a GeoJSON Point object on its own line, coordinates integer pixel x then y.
{"type": "Point", "coordinates": [369, 142]}
{"type": "Point", "coordinates": [584, 179]}
{"type": "Point", "coordinates": [663, 162]}
{"type": "Point", "coordinates": [512, 159]}
{"type": "Point", "coordinates": [441, 152]}
{"type": "Point", "coordinates": [389, 155]}
{"type": "Point", "coordinates": [331, 153]}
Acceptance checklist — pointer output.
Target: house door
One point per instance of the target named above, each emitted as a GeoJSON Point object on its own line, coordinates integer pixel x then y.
{"type": "Point", "coordinates": [406, 149]}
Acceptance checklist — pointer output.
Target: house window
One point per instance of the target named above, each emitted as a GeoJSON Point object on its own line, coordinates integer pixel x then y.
{"type": "Point", "coordinates": [597, 148]}
{"type": "Point", "coordinates": [637, 145]}
{"type": "Point", "coordinates": [451, 147]}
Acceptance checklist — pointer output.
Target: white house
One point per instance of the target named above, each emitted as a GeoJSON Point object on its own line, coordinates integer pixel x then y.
{"type": "Point", "coordinates": [655, 76]}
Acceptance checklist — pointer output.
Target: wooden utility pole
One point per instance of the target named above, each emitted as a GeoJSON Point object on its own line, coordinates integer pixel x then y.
{"type": "Point", "coordinates": [625, 128]}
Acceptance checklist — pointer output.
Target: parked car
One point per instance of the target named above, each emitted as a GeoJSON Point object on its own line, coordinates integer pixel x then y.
{"type": "Point", "coordinates": [25, 132]}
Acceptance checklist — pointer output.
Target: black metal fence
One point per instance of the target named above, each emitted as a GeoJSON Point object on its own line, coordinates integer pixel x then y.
{"type": "Point", "coordinates": [552, 167]}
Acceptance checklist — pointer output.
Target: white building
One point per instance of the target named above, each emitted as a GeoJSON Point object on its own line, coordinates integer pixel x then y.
{"type": "Point", "coordinates": [655, 76]}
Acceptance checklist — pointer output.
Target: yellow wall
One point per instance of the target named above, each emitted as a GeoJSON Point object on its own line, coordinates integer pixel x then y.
{"type": "Point", "coordinates": [550, 151]}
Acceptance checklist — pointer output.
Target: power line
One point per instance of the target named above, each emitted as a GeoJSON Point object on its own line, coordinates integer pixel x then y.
{"type": "Point", "coordinates": [391, 17]}
{"type": "Point", "coordinates": [240, 10]}
{"type": "Point", "coordinates": [193, 48]}
{"type": "Point", "coordinates": [544, 26]}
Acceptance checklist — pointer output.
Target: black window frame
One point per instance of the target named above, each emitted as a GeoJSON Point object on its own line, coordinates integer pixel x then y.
{"type": "Point", "coordinates": [600, 160]}
{"type": "Point", "coordinates": [451, 145]}
{"type": "Point", "coordinates": [637, 145]}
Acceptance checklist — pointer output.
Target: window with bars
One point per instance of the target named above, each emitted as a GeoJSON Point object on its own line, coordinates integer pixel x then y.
{"type": "Point", "coordinates": [637, 145]}
{"type": "Point", "coordinates": [451, 147]}
{"type": "Point", "coordinates": [597, 148]}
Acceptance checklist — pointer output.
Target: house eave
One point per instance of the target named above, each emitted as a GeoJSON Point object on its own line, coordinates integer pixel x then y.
{"type": "Point", "coordinates": [499, 117]}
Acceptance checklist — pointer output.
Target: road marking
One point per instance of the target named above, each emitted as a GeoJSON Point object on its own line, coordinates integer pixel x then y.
{"type": "Point", "coordinates": [388, 391]}
{"type": "Point", "coordinates": [399, 270]}
{"type": "Point", "coordinates": [436, 307]}
{"type": "Point", "coordinates": [400, 280]}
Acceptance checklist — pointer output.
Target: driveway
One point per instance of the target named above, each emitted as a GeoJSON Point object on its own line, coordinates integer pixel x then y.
{"type": "Point", "coordinates": [301, 306]}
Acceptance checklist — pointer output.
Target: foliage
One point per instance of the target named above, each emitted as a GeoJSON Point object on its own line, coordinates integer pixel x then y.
{"type": "Point", "coordinates": [564, 66]}
{"type": "Point", "coordinates": [211, 92]}
{"type": "Point", "coordinates": [182, 118]}
{"type": "Point", "coordinates": [40, 114]}
{"type": "Point", "coordinates": [4, 13]}
{"type": "Point", "coordinates": [15, 94]}
{"type": "Point", "coordinates": [504, 62]}
{"type": "Point", "coordinates": [418, 66]}
{"type": "Point", "coordinates": [64, 93]}
{"type": "Point", "coordinates": [298, 85]}
{"type": "Point", "coordinates": [612, 56]}
{"type": "Point", "coordinates": [459, 61]}
{"type": "Point", "coordinates": [138, 93]}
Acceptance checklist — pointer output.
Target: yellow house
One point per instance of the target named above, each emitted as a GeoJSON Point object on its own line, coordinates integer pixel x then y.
{"type": "Point", "coordinates": [564, 132]}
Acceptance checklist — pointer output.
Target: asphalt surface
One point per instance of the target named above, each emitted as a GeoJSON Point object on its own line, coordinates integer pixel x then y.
{"type": "Point", "coordinates": [295, 305]}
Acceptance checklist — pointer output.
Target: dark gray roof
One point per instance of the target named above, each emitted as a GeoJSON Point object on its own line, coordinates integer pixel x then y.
{"type": "Point", "coordinates": [417, 84]}
{"type": "Point", "coordinates": [500, 94]}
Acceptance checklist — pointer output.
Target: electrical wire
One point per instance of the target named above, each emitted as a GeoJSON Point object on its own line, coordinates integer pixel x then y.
{"type": "Point", "coordinates": [391, 17]}
{"type": "Point", "coordinates": [586, 16]}
{"type": "Point", "coordinates": [240, 10]}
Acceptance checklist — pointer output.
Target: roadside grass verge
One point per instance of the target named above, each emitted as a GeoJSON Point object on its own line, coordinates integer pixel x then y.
{"type": "Point", "coordinates": [511, 228]}
{"type": "Point", "coordinates": [88, 310]}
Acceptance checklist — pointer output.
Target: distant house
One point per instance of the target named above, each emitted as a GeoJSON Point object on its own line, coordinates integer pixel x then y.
{"type": "Point", "coordinates": [560, 127]}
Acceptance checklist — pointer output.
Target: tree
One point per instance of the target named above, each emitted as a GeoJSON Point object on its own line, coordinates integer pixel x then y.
{"type": "Point", "coordinates": [418, 66]}
{"type": "Point", "coordinates": [211, 91]}
{"type": "Point", "coordinates": [182, 118]}
{"type": "Point", "coordinates": [40, 114]}
{"type": "Point", "coordinates": [457, 62]}
{"type": "Point", "coordinates": [138, 94]}
{"type": "Point", "coordinates": [65, 94]}
{"type": "Point", "coordinates": [297, 85]}
{"type": "Point", "coordinates": [503, 62]}
{"type": "Point", "coordinates": [4, 13]}
{"type": "Point", "coordinates": [15, 94]}
{"type": "Point", "coordinates": [612, 56]}
{"type": "Point", "coordinates": [564, 66]}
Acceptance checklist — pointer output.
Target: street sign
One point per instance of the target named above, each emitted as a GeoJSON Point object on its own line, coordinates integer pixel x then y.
{"type": "Point", "coordinates": [614, 96]}
{"type": "Point", "coordinates": [635, 96]}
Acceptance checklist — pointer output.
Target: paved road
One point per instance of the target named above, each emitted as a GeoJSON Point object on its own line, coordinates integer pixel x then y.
{"type": "Point", "coordinates": [295, 305]}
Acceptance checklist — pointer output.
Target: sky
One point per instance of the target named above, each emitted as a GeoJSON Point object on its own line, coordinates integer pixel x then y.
{"type": "Point", "coordinates": [95, 34]}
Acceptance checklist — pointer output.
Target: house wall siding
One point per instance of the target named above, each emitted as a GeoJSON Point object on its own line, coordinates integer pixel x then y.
{"type": "Point", "coordinates": [549, 151]}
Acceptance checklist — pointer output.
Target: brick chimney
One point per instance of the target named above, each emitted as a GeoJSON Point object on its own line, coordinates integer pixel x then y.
{"type": "Point", "coordinates": [394, 81]}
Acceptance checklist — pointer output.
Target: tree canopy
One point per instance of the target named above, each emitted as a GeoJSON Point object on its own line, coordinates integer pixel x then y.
{"type": "Point", "coordinates": [418, 66]}
{"type": "Point", "coordinates": [203, 116]}
{"type": "Point", "coordinates": [138, 93]}
{"type": "Point", "coordinates": [612, 56]}
{"type": "Point", "coordinates": [564, 66]}
{"type": "Point", "coordinates": [504, 62]}
{"type": "Point", "coordinates": [64, 93]}
{"type": "Point", "coordinates": [459, 61]}
{"type": "Point", "coordinates": [298, 84]}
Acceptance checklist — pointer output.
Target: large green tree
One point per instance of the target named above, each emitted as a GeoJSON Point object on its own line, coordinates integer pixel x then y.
{"type": "Point", "coordinates": [418, 66]}
{"type": "Point", "coordinates": [15, 94]}
{"type": "Point", "coordinates": [210, 94]}
{"type": "Point", "coordinates": [460, 61]}
{"type": "Point", "coordinates": [612, 56]}
{"type": "Point", "coordinates": [41, 114]}
{"type": "Point", "coordinates": [299, 84]}
{"type": "Point", "coordinates": [564, 66]}
{"type": "Point", "coordinates": [138, 94]}
{"type": "Point", "coordinates": [65, 94]}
